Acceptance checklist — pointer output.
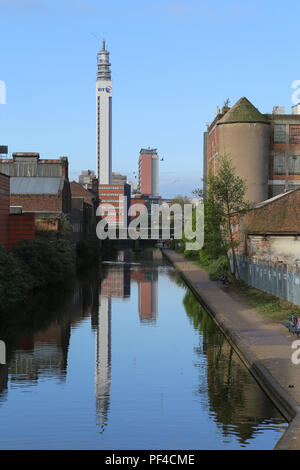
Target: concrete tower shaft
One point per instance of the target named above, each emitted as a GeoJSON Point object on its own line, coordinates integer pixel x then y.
{"type": "Point", "coordinates": [104, 117]}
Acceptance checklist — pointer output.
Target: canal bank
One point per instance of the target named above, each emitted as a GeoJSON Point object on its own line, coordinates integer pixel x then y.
{"type": "Point", "coordinates": [263, 346]}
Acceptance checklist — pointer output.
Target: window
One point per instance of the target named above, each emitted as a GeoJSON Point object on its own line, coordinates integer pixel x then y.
{"type": "Point", "coordinates": [279, 133]}
{"type": "Point", "coordinates": [295, 134]}
{"type": "Point", "coordinates": [277, 189]}
{"type": "Point", "coordinates": [294, 164]}
{"type": "Point", "coordinates": [279, 164]}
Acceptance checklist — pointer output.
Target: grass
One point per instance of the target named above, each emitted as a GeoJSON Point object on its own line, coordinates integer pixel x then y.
{"type": "Point", "coordinates": [270, 307]}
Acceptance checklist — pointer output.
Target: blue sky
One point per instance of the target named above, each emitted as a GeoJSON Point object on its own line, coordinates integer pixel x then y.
{"type": "Point", "coordinates": [172, 62]}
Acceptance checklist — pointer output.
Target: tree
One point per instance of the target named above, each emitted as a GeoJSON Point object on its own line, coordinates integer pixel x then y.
{"type": "Point", "coordinates": [213, 240]}
{"type": "Point", "coordinates": [229, 194]}
{"type": "Point", "coordinates": [181, 200]}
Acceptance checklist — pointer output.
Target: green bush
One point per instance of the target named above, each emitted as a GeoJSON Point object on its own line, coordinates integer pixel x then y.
{"type": "Point", "coordinates": [88, 250]}
{"type": "Point", "coordinates": [218, 267]}
{"type": "Point", "coordinates": [32, 265]}
{"type": "Point", "coordinates": [15, 281]}
{"type": "Point", "coordinates": [48, 262]}
{"type": "Point", "coordinates": [204, 258]}
{"type": "Point", "coordinates": [191, 254]}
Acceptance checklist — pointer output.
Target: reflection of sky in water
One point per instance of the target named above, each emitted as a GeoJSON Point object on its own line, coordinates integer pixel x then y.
{"type": "Point", "coordinates": [145, 369]}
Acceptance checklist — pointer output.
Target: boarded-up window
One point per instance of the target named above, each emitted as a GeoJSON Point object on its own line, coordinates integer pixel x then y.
{"type": "Point", "coordinates": [295, 134]}
{"type": "Point", "coordinates": [277, 189]}
{"type": "Point", "coordinates": [279, 164]}
{"type": "Point", "coordinates": [279, 133]}
{"type": "Point", "coordinates": [294, 164]}
{"type": "Point", "coordinates": [292, 187]}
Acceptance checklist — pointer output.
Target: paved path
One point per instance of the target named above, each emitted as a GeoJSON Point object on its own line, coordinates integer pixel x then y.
{"type": "Point", "coordinates": [263, 345]}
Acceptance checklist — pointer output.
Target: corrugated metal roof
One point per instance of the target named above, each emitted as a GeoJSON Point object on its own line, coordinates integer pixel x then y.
{"type": "Point", "coordinates": [36, 185]}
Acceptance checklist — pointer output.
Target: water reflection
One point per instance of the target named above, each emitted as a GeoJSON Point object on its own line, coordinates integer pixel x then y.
{"type": "Point", "coordinates": [38, 338]}
{"type": "Point", "coordinates": [116, 281]}
{"type": "Point", "coordinates": [237, 404]}
{"type": "Point", "coordinates": [161, 375]}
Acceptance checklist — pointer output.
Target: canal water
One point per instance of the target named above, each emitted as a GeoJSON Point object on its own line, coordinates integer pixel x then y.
{"type": "Point", "coordinates": [127, 360]}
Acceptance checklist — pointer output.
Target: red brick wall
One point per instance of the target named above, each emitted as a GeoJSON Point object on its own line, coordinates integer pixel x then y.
{"type": "Point", "coordinates": [20, 227]}
{"type": "Point", "coordinates": [37, 202]}
{"type": "Point", "coordinates": [13, 228]}
{"type": "Point", "coordinates": [4, 208]}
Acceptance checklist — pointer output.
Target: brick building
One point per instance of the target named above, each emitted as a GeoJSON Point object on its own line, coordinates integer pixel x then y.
{"type": "Point", "coordinates": [148, 172]}
{"type": "Point", "coordinates": [118, 196]}
{"type": "Point", "coordinates": [83, 212]}
{"type": "Point", "coordinates": [47, 198]}
{"type": "Point", "coordinates": [264, 148]}
{"type": "Point", "coordinates": [13, 227]}
{"type": "Point", "coordinates": [40, 186]}
{"type": "Point", "coordinates": [271, 230]}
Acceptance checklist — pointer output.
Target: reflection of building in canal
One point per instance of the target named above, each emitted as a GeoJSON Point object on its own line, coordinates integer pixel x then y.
{"type": "Point", "coordinates": [3, 381]}
{"type": "Point", "coordinates": [103, 360]}
{"type": "Point", "coordinates": [115, 284]}
{"type": "Point", "coordinates": [148, 294]}
{"type": "Point", "coordinates": [41, 353]}
{"type": "Point", "coordinates": [45, 352]}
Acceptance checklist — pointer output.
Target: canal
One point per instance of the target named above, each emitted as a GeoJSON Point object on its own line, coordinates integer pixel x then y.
{"type": "Point", "coordinates": [127, 359]}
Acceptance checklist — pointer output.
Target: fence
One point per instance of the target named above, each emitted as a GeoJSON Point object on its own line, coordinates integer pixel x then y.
{"type": "Point", "coordinates": [276, 278]}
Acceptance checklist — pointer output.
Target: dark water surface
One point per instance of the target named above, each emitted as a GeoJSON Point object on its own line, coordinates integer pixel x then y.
{"type": "Point", "coordinates": [132, 362]}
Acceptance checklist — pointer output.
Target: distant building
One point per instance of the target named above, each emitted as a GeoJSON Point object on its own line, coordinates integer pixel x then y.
{"type": "Point", "coordinates": [29, 164]}
{"type": "Point", "coordinates": [104, 117]}
{"type": "Point", "coordinates": [264, 148]}
{"type": "Point", "coordinates": [83, 211]}
{"type": "Point", "coordinates": [117, 178]}
{"type": "Point", "coordinates": [86, 178]}
{"type": "Point", "coordinates": [148, 172]}
{"type": "Point", "coordinates": [134, 187]}
{"type": "Point", "coordinates": [118, 196]}
{"type": "Point", "coordinates": [40, 186]}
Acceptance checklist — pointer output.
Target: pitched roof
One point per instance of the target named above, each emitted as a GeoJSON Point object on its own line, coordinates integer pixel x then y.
{"type": "Point", "coordinates": [79, 191]}
{"type": "Point", "coordinates": [274, 198]}
{"type": "Point", "coordinates": [243, 111]}
{"type": "Point", "coordinates": [36, 185]}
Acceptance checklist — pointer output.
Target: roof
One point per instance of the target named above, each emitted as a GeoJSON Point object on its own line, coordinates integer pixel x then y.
{"type": "Point", "coordinates": [272, 199]}
{"type": "Point", "coordinates": [36, 185]}
{"type": "Point", "coordinates": [243, 111]}
{"type": "Point", "coordinates": [79, 191]}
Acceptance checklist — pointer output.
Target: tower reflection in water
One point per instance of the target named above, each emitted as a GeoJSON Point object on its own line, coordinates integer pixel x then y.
{"type": "Point", "coordinates": [116, 284]}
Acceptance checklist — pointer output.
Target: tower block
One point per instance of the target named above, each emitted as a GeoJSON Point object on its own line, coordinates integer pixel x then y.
{"type": "Point", "coordinates": [104, 117]}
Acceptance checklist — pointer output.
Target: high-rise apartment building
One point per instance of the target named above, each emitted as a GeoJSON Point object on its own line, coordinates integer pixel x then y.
{"type": "Point", "coordinates": [104, 117]}
{"type": "Point", "coordinates": [148, 172]}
